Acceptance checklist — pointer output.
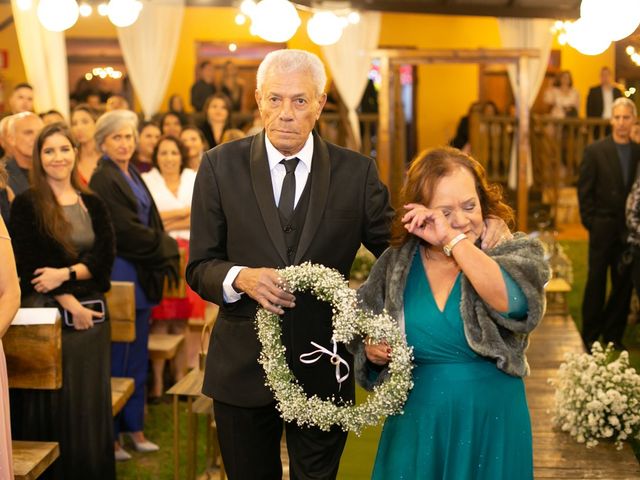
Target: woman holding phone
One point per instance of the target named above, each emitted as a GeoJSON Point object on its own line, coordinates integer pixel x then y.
{"type": "Point", "coordinates": [63, 240]}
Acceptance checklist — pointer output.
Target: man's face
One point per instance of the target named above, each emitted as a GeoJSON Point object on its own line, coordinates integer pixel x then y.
{"type": "Point", "coordinates": [24, 137]}
{"type": "Point", "coordinates": [289, 107]}
{"type": "Point", "coordinates": [622, 119]}
{"type": "Point", "coordinates": [207, 73]}
{"type": "Point", "coordinates": [21, 100]}
{"type": "Point", "coordinates": [605, 77]}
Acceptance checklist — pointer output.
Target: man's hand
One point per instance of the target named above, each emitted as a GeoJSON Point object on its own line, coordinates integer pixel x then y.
{"type": "Point", "coordinates": [495, 232]}
{"type": "Point", "coordinates": [266, 287]}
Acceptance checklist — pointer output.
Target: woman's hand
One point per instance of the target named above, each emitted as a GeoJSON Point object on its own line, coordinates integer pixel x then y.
{"type": "Point", "coordinates": [495, 232]}
{"type": "Point", "coordinates": [429, 224]}
{"type": "Point", "coordinates": [377, 353]}
{"type": "Point", "coordinates": [48, 278]}
{"type": "Point", "coordinates": [83, 318]}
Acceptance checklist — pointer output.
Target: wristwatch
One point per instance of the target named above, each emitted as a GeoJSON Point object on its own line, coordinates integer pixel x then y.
{"type": "Point", "coordinates": [454, 241]}
{"type": "Point", "coordinates": [72, 273]}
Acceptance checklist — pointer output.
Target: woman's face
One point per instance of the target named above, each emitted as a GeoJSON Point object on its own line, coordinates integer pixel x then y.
{"type": "Point", "coordinates": [565, 80]}
{"type": "Point", "coordinates": [58, 157]}
{"type": "Point", "coordinates": [456, 197]}
{"type": "Point", "coordinates": [176, 104]}
{"type": "Point", "coordinates": [171, 126]}
{"type": "Point", "coordinates": [217, 111]}
{"type": "Point", "coordinates": [120, 145]}
{"type": "Point", "coordinates": [168, 159]}
{"type": "Point", "coordinates": [82, 126]}
{"type": "Point", "coordinates": [193, 142]}
{"type": "Point", "coordinates": [149, 137]}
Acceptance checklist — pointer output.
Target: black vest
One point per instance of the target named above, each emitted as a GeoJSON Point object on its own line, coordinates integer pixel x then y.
{"type": "Point", "coordinates": [293, 226]}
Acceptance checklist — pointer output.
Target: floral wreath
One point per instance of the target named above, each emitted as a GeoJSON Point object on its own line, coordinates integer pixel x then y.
{"type": "Point", "coordinates": [349, 323]}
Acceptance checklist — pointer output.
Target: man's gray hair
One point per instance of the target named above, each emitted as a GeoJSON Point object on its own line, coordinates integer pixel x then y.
{"type": "Point", "coordinates": [624, 101]}
{"type": "Point", "coordinates": [111, 122]}
{"type": "Point", "coordinates": [292, 61]}
{"type": "Point", "coordinates": [12, 120]}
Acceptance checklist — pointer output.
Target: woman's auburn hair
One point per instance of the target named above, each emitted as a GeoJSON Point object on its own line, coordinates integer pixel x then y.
{"type": "Point", "coordinates": [49, 214]}
{"type": "Point", "coordinates": [424, 173]}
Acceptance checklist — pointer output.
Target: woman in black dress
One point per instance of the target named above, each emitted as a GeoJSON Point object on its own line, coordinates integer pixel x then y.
{"type": "Point", "coordinates": [63, 240]}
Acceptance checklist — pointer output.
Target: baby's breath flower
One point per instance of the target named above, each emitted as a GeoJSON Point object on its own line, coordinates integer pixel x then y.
{"type": "Point", "coordinates": [349, 322]}
{"type": "Point", "coordinates": [597, 397]}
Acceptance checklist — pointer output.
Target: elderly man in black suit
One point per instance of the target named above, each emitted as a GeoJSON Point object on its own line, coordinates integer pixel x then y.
{"type": "Point", "coordinates": [281, 197]}
{"type": "Point", "coordinates": [607, 171]}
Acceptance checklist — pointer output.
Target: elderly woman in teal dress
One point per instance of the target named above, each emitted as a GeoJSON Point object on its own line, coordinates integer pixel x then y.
{"type": "Point", "coordinates": [467, 313]}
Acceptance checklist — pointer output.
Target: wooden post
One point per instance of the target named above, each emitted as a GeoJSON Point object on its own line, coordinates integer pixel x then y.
{"type": "Point", "coordinates": [524, 147]}
{"type": "Point", "coordinates": [385, 121]}
{"type": "Point", "coordinates": [398, 135]}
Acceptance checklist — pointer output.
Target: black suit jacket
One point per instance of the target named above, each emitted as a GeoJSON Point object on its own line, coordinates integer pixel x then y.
{"type": "Point", "coordinates": [602, 193]}
{"type": "Point", "coordinates": [234, 221]}
{"type": "Point", "coordinates": [595, 103]}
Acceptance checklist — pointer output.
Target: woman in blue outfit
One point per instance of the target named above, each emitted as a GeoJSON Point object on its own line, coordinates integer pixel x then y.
{"type": "Point", "coordinates": [145, 255]}
{"type": "Point", "coordinates": [467, 313]}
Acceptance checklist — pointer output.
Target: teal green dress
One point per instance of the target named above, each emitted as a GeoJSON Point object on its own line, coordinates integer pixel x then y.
{"type": "Point", "coordinates": [464, 418]}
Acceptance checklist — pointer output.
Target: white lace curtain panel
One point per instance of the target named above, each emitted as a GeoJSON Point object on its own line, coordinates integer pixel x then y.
{"type": "Point", "coordinates": [526, 33]}
{"type": "Point", "coordinates": [44, 55]}
{"type": "Point", "coordinates": [349, 61]}
{"type": "Point", "coordinates": [149, 48]}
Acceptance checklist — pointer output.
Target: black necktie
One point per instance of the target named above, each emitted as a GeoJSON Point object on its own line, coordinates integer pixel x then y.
{"type": "Point", "coordinates": [288, 193]}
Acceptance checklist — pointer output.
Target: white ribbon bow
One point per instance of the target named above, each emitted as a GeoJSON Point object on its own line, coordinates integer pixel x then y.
{"type": "Point", "coordinates": [335, 359]}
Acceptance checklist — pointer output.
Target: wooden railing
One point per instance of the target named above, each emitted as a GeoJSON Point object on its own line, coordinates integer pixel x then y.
{"type": "Point", "coordinates": [334, 127]}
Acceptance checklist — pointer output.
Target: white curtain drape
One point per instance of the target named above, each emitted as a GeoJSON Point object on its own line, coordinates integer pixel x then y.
{"type": "Point", "coordinates": [526, 33]}
{"type": "Point", "coordinates": [149, 49]}
{"type": "Point", "coordinates": [44, 55]}
{"type": "Point", "coordinates": [349, 62]}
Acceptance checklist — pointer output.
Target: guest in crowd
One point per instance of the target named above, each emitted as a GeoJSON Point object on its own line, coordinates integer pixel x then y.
{"type": "Point", "coordinates": [635, 133]}
{"type": "Point", "coordinates": [170, 125]}
{"type": "Point", "coordinates": [193, 138]}
{"type": "Point", "coordinates": [461, 138]}
{"type": "Point", "coordinates": [6, 194]}
{"type": "Point", "coordinates": [9, 304]}
{"type": "Point", "coordinates": [116, 102]}
{"type": "Point", "coordinates": [232, 134]}
{"type": "Point", "coordinates": [145, 255]}
{"type": "Point", "coordinates": [234, 86]}
{"type": "Point", "coordinates": [467, 313]}
{"type": "Point", "coordinates": [21, 99]}
{"type": "Point", "coordinates": [52, 116]}
{"type": "Point", "coordinates": [256, 126]}
{"type": "Point", "coordinates": [171, 185]}
{"type": "Point", "coordinates": [83, 128]}
{"type": "Point", "coordinates": [23, 128]}
{"type": "Point", "coordinates": [607, 172]}
{"type": "Point", "coordinates": [600, 98]}
{"type": "Point", "coordinates": [64, 245]}
{"type": "Point", "coordinates": [4, 127]}
{"type": "Point", "coordinates": [562, 99]}
{"type": "Point", "coordinates": [176, 105]}
{"type": "Point", "coordinates": [148, 139]}
{"type": "Point", "coordinates": [203, 87]}
{"type": "Point", "coordinates": [218, 118]}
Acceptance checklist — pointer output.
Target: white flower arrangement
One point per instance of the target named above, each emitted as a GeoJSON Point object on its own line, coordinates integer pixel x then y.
{"type": "Point", "coordinates": [349, 323]}
{"type": "Point", "coordinates": [598, 397]}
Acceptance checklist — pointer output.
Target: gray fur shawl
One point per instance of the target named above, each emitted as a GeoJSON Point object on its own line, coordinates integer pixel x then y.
{"type": "Point", "coordinates": [488, 333]}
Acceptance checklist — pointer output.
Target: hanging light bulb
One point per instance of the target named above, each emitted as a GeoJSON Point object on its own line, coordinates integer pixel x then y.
{"type": "Point", "coordinates": [240, 19]}
{"type": "Point", "coordinates": [57, 15]}
{"type": "Point", "coordinates": [275, 20]}
{"type": "Point", "coordinates": [353, 18]}
{"type": "Point", "coordinates": [616, 19]}
{"type": "Point", "coordinates": [324, 28]}
{"type": "Point", "coordinates": [584, 36]}
{"type": "Point", "coordinates": [123, 13]}
{"type": "Point", "coordinates": [247, 7]}
{"type": "Point", "coordinates": [103, 10]}
{"type": "Point", "coordinates": [85, 9]}
{"type": "Point", "coordinates": [24, 5]}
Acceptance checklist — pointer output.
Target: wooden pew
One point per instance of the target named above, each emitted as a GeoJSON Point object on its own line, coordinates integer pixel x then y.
{"type": "Point", "coordinates": [121, 390]}
{"type": "Point", "coordinates": [121, 302]}
{"type": "Point", "coordinates": [557, 290]}
{"type": "Point", "coordinates": [164, 346]}
{"type": "Point", "coordinates": [31, 459]}
{"type": "Point", "coordinates": [34, 351]}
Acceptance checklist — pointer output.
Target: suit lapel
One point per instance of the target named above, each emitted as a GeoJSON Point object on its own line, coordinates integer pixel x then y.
{"type": "Point", "coordinates": [262, 186]}
{"type": "Point", "coordinates": [635, 157]}
{"type": "Point", "coordinates": [319, 178]}
{"type": "Point", "coordinates": [611, 153]}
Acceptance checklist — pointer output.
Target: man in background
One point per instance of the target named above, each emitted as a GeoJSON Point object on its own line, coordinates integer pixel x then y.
{"type": "Point", "coordinates": [22, 131]}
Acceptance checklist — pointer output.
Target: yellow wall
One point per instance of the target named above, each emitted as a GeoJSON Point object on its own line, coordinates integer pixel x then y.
{"type": "Point", "coordinates": [444, 92]}
{"type": "Point", "coordinates": [9, 41]}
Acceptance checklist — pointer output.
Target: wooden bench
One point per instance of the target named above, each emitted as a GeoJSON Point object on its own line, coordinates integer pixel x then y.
{"type": "Point", "coordinates": [31, 459]}
{"type": "Point", "coordinates": [163, 346]}
{"type": "Point", "coordinates": [557, 290]}
{"type": "Point", "coordinates": [121, 390]}
{"type": "Point", "coordinates": [121, 302]}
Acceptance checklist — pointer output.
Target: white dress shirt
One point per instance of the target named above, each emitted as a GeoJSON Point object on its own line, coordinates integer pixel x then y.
{"type": "Point", "coordinates": [607, 101]}
{"type": "Point", "coordinates": [305, 155]}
